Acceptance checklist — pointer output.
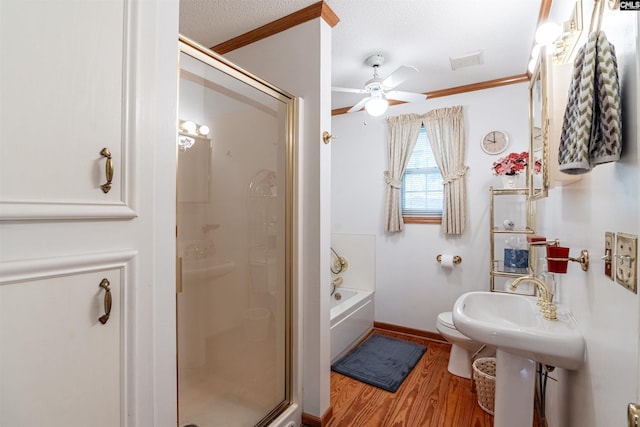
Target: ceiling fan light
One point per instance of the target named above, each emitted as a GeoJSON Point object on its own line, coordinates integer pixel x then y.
{"type": "Point", "coordinates": [376, 106]}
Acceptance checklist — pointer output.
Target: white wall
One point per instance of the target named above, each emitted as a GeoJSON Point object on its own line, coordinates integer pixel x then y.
{"type": "Point", "coordinates": [606, 199]}
{"type": "Point", "coordinates": [299, 61]}
{"type": "Point", "coordinates": [411, 287]}
{"type": "Point", "coordinates": [156, 392]}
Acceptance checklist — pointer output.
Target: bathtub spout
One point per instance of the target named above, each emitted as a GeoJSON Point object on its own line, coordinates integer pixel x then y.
{"type": "Point", "coordinates": [334, 284]}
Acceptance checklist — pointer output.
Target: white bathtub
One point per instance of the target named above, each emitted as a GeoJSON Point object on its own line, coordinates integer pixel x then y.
{"type": "Point", "coordinates": [351, 319]}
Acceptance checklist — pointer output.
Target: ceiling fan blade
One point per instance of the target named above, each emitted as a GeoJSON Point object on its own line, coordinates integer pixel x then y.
{"type": "Point", "coordinates": [359, 105]}
{"type": "Point", "coordinates": [405, 96]}
{"type": "Point", "coordinates": [347, 89]}
{"type": "Point", "coordinates": [398, 76]}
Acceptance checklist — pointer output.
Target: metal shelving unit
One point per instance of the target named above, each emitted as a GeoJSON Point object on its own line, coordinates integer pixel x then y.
{"type": "Point", "coordinates": [524, 225]}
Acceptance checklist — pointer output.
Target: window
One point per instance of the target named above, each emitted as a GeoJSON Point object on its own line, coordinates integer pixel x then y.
{"type": "Point", "coordinates": [422, 192]}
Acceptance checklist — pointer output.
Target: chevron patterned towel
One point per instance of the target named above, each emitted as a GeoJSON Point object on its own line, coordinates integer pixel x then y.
{"type": "Point", "coordinates": [592, 127]}
{"type": "Point", "coordinates": [606, 140]}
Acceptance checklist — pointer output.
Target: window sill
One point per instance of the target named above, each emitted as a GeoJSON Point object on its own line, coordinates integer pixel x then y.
{"type": "Point", "coordinates": [422, 219]}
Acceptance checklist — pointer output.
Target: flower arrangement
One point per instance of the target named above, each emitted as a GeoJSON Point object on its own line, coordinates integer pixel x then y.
{"type": "Point", "coordinates": [514, 163]}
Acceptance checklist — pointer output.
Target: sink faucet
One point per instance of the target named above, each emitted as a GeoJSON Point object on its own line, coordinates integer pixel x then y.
{"type": "Point", "coordinates": [545, 300]}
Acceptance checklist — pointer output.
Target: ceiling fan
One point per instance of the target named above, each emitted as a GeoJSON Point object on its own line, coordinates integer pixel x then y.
{"type": "Point", "coordinates": [379, 89]}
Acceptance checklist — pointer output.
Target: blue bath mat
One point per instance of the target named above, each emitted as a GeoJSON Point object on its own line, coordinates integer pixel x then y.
{"type": "Point", "coordinates": [380, 361]}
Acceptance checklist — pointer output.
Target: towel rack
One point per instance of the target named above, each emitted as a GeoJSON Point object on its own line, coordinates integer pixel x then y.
{"type": "Point", "coordinates": [597, 13]}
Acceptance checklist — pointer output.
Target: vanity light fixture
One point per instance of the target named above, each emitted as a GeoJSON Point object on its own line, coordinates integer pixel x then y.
{"type": "Point", "coordinates": [548, 33]}
{"type": "Point", "coordinates": [188, 130]}
{"type": "Point", "coordinates": [188, 127]}
{"type": "Point", "coordinates": [563, 37]}
{"type": "Point", "coordinates": [192, 128]}
{"type": "Point", "coordinates": [203, 130]}
{"type": "Point", "coordinates": [535, 52]}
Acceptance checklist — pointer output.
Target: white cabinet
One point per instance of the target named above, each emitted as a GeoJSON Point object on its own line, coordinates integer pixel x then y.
{"type": "Point", "coordinates": [59, 364]}
{"type": "Point", "coordinates": [66, 85]}
{"type": "Point", "coordinates": [77, 76]}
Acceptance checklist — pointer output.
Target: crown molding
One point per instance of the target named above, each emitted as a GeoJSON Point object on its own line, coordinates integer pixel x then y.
{"type": "Point", "coordinates": [316, 10]}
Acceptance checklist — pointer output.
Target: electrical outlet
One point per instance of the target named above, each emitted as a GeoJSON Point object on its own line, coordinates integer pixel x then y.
{"type": "Point", "coordinates": [609, 241]}
{"type": "Point", "coordinates": [627, 261]}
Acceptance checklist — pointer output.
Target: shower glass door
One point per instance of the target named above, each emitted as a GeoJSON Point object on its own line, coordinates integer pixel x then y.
{"type": "Point", "coordinates": [233, 244]}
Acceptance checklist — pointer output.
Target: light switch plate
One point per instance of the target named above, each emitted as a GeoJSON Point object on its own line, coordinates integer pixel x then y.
{"type": "Point", "coordinates": [627, 261]}
{"type": "Point", "coordinates": [609, 242]}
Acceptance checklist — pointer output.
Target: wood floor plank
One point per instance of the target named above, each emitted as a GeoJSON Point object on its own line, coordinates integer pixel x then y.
{"type": "Point", "coordinates": [429, 397]}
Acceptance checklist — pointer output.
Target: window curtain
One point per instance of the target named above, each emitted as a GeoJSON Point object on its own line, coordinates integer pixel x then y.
{"type": "Point", "coordinates": [402, 134]}
{"type": "Point", "coordinates": [445, 129]}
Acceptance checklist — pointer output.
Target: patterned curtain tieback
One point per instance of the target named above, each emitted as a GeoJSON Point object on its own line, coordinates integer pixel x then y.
{"type": "Point", "coordinates": [459, 174]}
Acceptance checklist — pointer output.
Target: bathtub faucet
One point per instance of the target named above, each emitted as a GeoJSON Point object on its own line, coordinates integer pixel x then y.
{"type": "Point", "coordinates": [339, 264]}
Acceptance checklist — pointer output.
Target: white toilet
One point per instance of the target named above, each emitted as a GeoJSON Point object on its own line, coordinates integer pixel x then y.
{"type": "Point", "coordinates": [462, 347]}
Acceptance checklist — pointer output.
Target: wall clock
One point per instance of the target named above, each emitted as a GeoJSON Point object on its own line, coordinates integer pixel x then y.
{"type": "Point", "coordinates": [495, 142]}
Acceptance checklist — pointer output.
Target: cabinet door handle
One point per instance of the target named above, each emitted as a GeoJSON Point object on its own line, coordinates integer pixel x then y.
{"type": "Point", "coordinates": [108, 170]}
{"type": "Point", "coordinates": [104, 284]}
{"type": "Point", "coordinates": [633, 415]}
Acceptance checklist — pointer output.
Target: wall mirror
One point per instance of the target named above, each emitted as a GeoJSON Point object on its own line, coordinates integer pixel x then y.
{"type": "Point", "coordinates": [194, 169]}
{"type": "Point", "coordinates": [538, 165]}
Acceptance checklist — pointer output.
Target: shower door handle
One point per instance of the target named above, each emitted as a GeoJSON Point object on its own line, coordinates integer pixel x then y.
{"type": "Point", "coordinates": [178, 275]}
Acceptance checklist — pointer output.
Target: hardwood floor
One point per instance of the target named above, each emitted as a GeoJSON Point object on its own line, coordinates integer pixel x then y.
{"type": "Point", "coordinates": [429, 396]}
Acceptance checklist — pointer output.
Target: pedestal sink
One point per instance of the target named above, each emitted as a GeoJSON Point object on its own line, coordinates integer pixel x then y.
{"type": "Point", "coordinates": [514, 325]}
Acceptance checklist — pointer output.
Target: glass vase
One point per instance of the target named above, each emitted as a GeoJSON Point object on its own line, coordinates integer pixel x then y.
{"type": "Point", "coordinates": [510, 181]}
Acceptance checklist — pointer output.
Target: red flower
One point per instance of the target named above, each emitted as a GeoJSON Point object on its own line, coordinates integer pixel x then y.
{"type": "Point", "coordinates": [514, 163]}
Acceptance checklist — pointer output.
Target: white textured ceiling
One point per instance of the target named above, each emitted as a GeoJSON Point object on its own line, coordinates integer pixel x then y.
{"type": "Point", "coordinates": [421, 33]}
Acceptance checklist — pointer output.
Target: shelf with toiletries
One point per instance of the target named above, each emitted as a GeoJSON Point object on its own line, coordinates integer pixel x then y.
{"type": "Point", "coordinates": [512, 214]}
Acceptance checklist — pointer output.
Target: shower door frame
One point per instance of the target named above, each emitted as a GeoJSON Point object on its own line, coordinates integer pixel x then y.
{"type": "Point", "coordinates": [207, 56]}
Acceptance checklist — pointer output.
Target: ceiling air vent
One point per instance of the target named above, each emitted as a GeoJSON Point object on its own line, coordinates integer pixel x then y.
{"type": "Point", "coordinates": [466, 60]}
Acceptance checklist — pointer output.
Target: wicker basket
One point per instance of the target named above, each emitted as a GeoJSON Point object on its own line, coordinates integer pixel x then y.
{"type": "Point", "coordinates": [484, 376]}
